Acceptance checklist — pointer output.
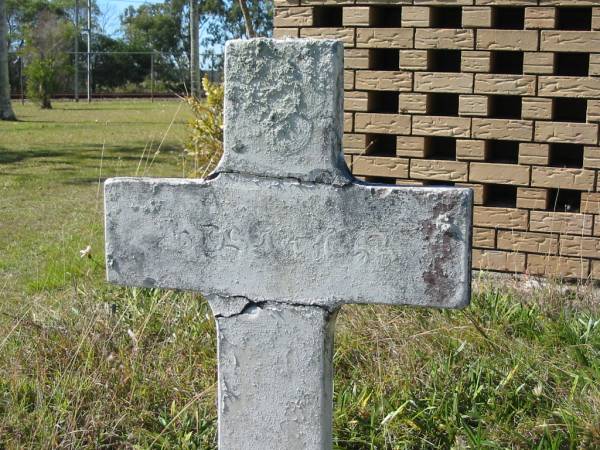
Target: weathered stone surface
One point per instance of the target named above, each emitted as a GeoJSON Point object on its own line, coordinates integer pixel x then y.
{"type": "Point", "coordinates": [268, 354]}
{"type": "Point", "coordinates": [290, 106]}
{"type": "Point", "coordinates": [280, 235]}
{"type": "Point", "coordinates": [281, 240]}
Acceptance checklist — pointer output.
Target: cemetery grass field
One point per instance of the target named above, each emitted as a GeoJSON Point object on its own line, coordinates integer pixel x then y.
{"type": "Point", "coordinates": [88, 365]}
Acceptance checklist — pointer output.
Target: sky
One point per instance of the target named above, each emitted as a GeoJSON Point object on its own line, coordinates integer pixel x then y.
{"type": "Point", "coordinates": [112, 9]}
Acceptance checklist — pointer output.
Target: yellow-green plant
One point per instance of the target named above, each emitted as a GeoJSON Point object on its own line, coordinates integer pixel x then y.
{"type": "Point", "coordinates": [205, 143]}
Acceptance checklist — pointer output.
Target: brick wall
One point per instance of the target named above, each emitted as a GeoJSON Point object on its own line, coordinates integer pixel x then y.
{"type": "Point", "coordinates": [499, 95]}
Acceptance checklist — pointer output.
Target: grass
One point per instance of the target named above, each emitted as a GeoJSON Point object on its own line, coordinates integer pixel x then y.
{"type": "Point", "coordinates": [88, 365]}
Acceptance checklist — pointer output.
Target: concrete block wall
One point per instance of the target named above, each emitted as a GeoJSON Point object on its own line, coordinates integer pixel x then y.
{"type": "Point", "coordinates": [499, 95]}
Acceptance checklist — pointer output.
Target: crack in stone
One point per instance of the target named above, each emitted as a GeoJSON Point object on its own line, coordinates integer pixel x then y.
{"type": "Point", "coordinates": [217, 301]}
{"type": "Point", "coordinates": [334, 183]}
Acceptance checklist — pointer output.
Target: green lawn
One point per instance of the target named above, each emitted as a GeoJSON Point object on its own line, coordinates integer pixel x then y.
{"type": "Point", "coordinates": [88, 365]}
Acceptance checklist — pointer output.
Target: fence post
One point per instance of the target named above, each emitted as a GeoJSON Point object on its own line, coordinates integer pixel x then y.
{"type": "Point", "coordinates": [152, 77]}
{"type": "Point", "coordinates": [76, 80]}
{"type": "Point", "coordinates": [21, 84]}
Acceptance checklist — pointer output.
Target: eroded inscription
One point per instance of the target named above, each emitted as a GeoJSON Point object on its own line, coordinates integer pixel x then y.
{"type": "Point", "coordinates": [232, 242]}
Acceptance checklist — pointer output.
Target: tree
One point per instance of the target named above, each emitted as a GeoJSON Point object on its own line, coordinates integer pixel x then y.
{"type": "Point", "coordinates": [164, 26]}
{"type": "Point", "coordinates": [247, 19]}
{"type": "Point", "coordinates": [6, 111]}
{"type": "Point", "coordinates": [47, 44]}
{"type": "Point", "coordinates": [160, 28]}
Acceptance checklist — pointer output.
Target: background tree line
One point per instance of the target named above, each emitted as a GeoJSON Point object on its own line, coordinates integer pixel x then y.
{"type": "Point", "coordinates": [43, 33]}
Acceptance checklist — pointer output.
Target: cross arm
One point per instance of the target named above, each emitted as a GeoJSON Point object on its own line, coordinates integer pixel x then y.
{"type": "Point", "coordinates": [270, 239]}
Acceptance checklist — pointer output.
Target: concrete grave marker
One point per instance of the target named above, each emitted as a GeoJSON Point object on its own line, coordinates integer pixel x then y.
{"type": "Point", "coordinates": [280, 236]}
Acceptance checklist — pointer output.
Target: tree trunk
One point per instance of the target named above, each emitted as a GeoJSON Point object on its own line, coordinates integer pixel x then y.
{"type": "Point", "coordinates": [249, 27]}
{"type": "Point", "coordinates": [6, 111]}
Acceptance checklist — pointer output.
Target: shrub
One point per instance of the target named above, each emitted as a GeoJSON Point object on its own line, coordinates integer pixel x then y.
{"type": "Point", "coordinates": [47, 42]}
{"type": "Point", "coordinates": [205, 144]}
{"type": "Point", "coordinates": [41, 81]}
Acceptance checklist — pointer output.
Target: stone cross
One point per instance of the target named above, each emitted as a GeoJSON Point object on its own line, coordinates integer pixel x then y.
{"type": "Point", "coordinates": [280, 236]}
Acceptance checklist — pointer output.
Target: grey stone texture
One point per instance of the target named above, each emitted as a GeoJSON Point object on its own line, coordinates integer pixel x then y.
{"type": "Point", "coordinates": [275, 372]}
{"type": "Point", "coordinates": [269, 239]}
{"type": "Point", "coordinates": [284, 110]}
{"type": "Point", "coordinates": [280, 236]}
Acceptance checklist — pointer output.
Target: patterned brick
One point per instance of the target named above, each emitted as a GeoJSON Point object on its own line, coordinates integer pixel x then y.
{"type": "Point", "coordinates": [579, 133]}
{"type": "Point", "coordinates": [570, 41]}
{"type": "Point", "coordinates": [507, 40]}
{"type": "Point", "coordinates": [538, 63]}
{"type": "Point", "coordinates": [415, 16]}
{"type": "Point", "coordinates": [293, 17]}
{"type": "Point", "coordinates": [382, 123]}
{"type": "Point", "coordinates": [507, 218]}
{"type": "Point", "coordinates": [475, 61]}
{"type": "Point", "coordinates": [557, 266]}
{"type": "Point", "coordinates": [536, 108]}
{"type": "Point", "coordinates": [509, 129]}
{"type": "Point", "coordinates": [460, 83]}
{"type": "Point", "coordinates": [357, 16]}
{"type": "Point", "coordinates": [476, 17]}
{"type": "Point", "coordinates": [563, 178]}
{"type": "Point", "coordinates": [540, 18]}
{"type": "Point", "coordinates": [559, 222]}
{"type": "Point", "coordinates": [425, 169]}
{"type": "Point", "coordinates": [532, 198]}
{"type": "Point", "coordinates": [559, 86]}
{"type": "Point", "coordinates": [524, 241]}
{"type": "Point", "coordinates": [441, 126]}
{"type": "Point", "coordinates": [484, 237]}
{"type": "Point", "coordinates": [384, 80]}
{"type": "Point", "coordinates": [504, 84]}
{"type": "Point", "coordinates": [430, 38]}
{"type": "Point", "coordinates": [384, 38]}
{"type": "Point", "coordinates": [473, 105]}
{"type": "Point", "coordinates": [496, 173]}
{"type": "Point", "coordinates": [470, 150]}
{"type": "Point", "coordinates": [379, 166]}
{"type": "Point", "coordinates": [498, 260]}
{"type": "Point", "coordinates": [537, 154]}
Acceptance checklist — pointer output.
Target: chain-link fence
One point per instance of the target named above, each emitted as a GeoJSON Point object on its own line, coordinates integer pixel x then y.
{"type": "Point", "coordinates": [119, 75]}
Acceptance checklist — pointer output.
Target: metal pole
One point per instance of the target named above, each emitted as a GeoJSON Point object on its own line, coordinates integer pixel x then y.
{"type": "Point", "coordinates": [21, 87]}
{"type": "Point", "coordinates": [89, 51]}
{"type": "Point", "coordinates": [152, 77]}
{"type": "Point", "coordinates": [76, 80]}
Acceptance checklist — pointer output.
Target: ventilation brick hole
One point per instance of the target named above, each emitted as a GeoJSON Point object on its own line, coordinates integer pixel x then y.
{"type": "Point", "coordinates": [382, 102]}
{"type": "Point", "coordinates": [572, 64]}
{"type": "Point", "coordinates": [443, 60]}
{"type": "Point", "coordinates": [502, 151]}
{"type": "Point", "coordinates": [438, 183]}
{"type": "Point", "coordinates": [566, 155]}
{"type": "Point", "coordinates": [380, 145]}
{"type": "Point", "coordinates": [380, 180]}
{"type": "Point", "coordinates": [564, 200]}
{"type": "Point", "coordinates": [508, 18]}
{"type": "Point", "coordinates": [509, 62]}
{"type": "Point", "coordinates": [445, 17]}
{"type": "Point", "coordinates": [385, 16]}
{"type": "Point", "coordinates": [505, 106]}
{"type": "Point", "coordinates": [437, 147]}
{"type": "Point", "coordinates": [574, 19]}
{"type": "Point", "coordinates": [500, 195]}
{"type": "Point", "coordinates": [442, 104]}
{"type": "Point", "coordinates": [384, 59]}
{"type": "Point", "coordinates": [569, 109]}
{"type": "Point", "coordinates": [327, 16]}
